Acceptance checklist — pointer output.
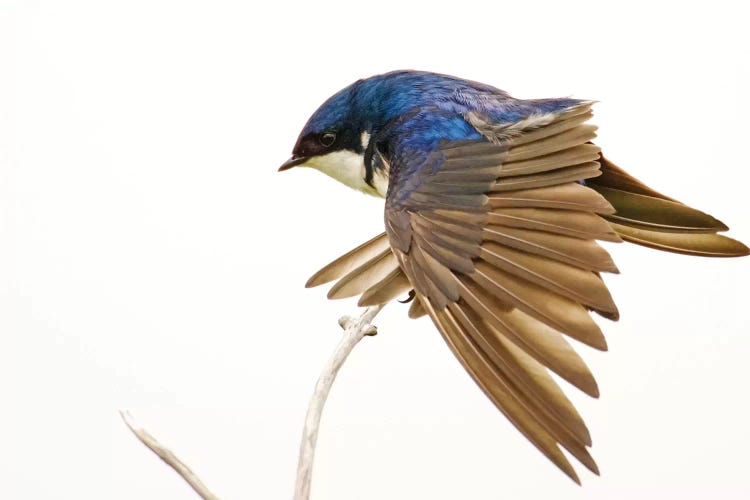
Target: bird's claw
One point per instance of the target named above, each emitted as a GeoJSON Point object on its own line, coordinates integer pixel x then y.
{"type": "Point", "coordinates": [411, 296]}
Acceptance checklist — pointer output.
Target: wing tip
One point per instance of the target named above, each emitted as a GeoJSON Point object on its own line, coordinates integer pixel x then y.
{"type": "Point", "coordinates": [598, 342]}
{"type": "Point", "coordinates": [720, 226]}
{"type": "Point", "coordinates": [339, 291]}
{"type": "Point", "coordinates": [699, 244]}
{"type": "Point", "coordinates": [610, 314]}
{"type": "Point", "coordinates": [315, 280]}
{"type": "Point", "coordinates": [594, 468]}
{"type": "Point", "coordinates": [594, 390]}
{"type": "Point", "coordinates": [742, 249]}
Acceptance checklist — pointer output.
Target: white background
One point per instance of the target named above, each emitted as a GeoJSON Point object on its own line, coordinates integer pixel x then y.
{"type": "Point", "coordinates": [152, 259]}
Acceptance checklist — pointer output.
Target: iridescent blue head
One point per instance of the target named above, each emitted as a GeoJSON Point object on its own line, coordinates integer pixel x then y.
{"type": "Point", "coordinates": [335, 140]}
{"type": "Point", "coordinates": [341, 136]}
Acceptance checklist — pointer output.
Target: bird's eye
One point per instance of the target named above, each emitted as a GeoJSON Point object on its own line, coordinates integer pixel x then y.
{"type": "Point", "coordinates": [327, 139]}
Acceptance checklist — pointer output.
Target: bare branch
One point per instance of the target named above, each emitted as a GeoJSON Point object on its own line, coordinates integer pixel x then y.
{"type": "Point", "coordinates": [354, 331]}
{"type": "Point", "coordinates": [168, 457]}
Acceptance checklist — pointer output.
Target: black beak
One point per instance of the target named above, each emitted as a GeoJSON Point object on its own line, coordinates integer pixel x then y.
{"type": "Point", "coordinates": [293, 162]}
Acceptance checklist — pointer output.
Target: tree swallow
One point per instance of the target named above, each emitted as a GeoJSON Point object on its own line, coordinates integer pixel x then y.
{"type": "Point", "coordinates": [493, 209]}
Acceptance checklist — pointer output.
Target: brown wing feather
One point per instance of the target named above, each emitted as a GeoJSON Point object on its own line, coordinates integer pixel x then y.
{"type": "Point", "coordinates": [393, 285]}
{"type": "Point", "coordinates": [706, 244]}
{"type": "Point", "coordinates": [649, 218]}
{"type": "Point", "coordinates": [542, 403]}
{"type": "Point", "coordinates": [573, 156]}
{"type": "Point", "coordinates": [657, 214]}
{"type": "Point", "coordinates": [496, 387]}
{"type": "Point", "coordinates": [586, 254]}
{"type": "Point", "coordinates": [583, 225]}
{"type": "Point", "coordinates": [525, 372]}
{"type": "Point", "coordinates": [581, 171]}
{"type": "Point", "coordinates": [360, 279]}
{"type": "Point", "coordinates": [350, 260]}
{"type": "Point", "coordinates": [570, 196]}
{"type": "Point", "coordinates": [563, 279]}
{"type": "Point", "coordinates": [499, 245]}
{"type": "Point", "coordinates": [551, 309]}
{"type": "Point", "coordinates": [543, 343]}
{"type": "Point", "coordinates": [503, 268]}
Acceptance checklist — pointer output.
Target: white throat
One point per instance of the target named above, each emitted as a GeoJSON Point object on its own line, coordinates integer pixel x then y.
{"type": "Point", "coordinates": [348, 168]}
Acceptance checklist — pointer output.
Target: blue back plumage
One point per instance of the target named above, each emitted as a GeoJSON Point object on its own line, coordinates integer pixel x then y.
{"type": "Point", "coordinates": [371, 103]}
{"type": "Point", "coordinates": [406, 115]}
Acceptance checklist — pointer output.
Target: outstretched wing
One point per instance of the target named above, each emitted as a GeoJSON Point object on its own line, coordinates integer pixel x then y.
{"type": "Point", "coordinates": [497, 237]}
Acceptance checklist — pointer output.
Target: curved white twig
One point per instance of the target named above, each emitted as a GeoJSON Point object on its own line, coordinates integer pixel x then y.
{"type": "Point", "coordinates": [168, 457]}
{"type": "Point", "coordinates": [354, 331]}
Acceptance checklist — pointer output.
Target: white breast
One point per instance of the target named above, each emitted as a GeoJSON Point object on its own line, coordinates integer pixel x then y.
{"type": "Point", "coordinates": [348, 168]}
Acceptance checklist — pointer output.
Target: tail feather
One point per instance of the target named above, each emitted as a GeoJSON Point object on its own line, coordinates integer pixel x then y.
{"type": "Point", "coordinates": [647, 217]}
{"type": "Point", "coordinates": [615, 177]}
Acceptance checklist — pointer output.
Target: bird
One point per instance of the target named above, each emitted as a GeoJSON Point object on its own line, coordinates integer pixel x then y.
{"type": "Point", "coordinates": [493, 209]}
